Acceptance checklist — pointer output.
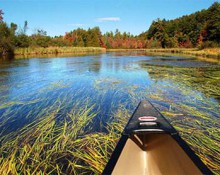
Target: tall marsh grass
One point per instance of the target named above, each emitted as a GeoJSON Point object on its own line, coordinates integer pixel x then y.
{"type": "Point", "coordinates": [57, 50]}
{"type": "Point", "coordinates": [207, 52]}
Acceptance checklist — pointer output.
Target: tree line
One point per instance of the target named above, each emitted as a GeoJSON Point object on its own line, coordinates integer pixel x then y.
{"type": "Point", "coordinates": [200, 29]}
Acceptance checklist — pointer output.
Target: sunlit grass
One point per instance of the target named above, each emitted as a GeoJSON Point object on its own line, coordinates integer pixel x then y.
{"type": "Point", "coordinates": [57, 50]}
{"type": "Point", "coordinates": [208, 52]}
{"type": "Point", "coordinates": [201, 79]}
{"type": "Point", "coordinates": [12, 103]}
{"type": "Point", "coordinates": [187, 103]}
{"type": "Point", "coordinates": [52, 145]}
{"type": "Point", "coordinates": [45, 145]}
{"type": "Point", "coordinates": [67, 147]}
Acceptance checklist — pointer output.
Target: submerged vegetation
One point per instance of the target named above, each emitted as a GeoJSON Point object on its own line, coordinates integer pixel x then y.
{"type": "Point", "coordinates": [195, 118]}
{"type": "Point", "coordinates": [46, 146]}
{"type": "Point", "coordinates": [204, 80]}
{"type": "Point", "coordinates": [69, 146]}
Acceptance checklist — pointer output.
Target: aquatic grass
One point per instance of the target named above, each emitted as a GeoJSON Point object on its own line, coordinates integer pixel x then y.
{"type": "Point", "coordinates": [95, 151]}
{"type": "Point", "coordinates": [12, 103]}
{"type": "Point", "coordinates": [202, 134]}
{"type": "Point", "coordinates": [205, 80]}
{"type": "Point", "coordinates": [106, 83]}
{"type": "Point", "coordinates": [43, 140]}
{"type": "Point", "coordinates": [89, 150]}
{"type": "Point", "coordinates": [54, 86]}
{"type": "Point", "coordinates": [46, 146]}
{"type": "Point", "coordinates": [99, 146]}
{"type": "Point", "coordinates": [183, 95]}
{"type": "Point", "coordinates": [204, 142]}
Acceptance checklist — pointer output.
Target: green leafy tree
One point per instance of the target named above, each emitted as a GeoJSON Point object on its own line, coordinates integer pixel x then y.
{"type": "Point", "coordinates": [22, 40]}
{"type": "Point", "coordinates": [40, 39]}
{"type": "Point", "coordinates": [13, 27]}
{"type": "Point", "coordinates": [189, 30]}
{"type": "Point", "coordinates": [6, 37]}
{"type": "Point", "coordinates": [79, 38]}
{"type": "Point", "coordinates": [94, 37]}
{"type": "Point", "coordinates": [6, 42]}
{"type": "Point", "coordinates": [157, 31]}
{"type": "Point", "coordinates": [213, 24]}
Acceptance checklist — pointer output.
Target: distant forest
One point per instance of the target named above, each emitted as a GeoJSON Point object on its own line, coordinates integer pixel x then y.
{"type": "Point", "coordinates": [200, 29]}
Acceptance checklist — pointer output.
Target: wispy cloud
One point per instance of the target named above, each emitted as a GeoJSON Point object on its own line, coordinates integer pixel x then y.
{"type": "Point", "coordinates": [108, 19]}
{"type": "Point", "coordinates": [77, 25]}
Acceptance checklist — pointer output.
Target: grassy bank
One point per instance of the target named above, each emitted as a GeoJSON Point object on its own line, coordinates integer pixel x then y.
{"type": "Point", "coordinates": [209, 52]}
{"type": "Point", "coordinates": [124, 50]}
{"type": "Point", "coordinates": [57, 50]}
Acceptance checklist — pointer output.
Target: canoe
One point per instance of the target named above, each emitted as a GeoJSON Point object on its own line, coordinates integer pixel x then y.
{"type": "Point", "coordinates": [150, 145]}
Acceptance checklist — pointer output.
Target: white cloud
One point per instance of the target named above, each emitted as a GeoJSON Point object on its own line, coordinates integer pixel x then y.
{"type": "Point", "coordinates": [108, 19]}
{"type": "Point", "coordinates": [77, 25]}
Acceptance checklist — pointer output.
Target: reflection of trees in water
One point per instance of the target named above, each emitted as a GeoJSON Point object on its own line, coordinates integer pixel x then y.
{"type": "Point", "coordinates": [95, 64]}
{"type": "Point", "coordinates": [87, 64]}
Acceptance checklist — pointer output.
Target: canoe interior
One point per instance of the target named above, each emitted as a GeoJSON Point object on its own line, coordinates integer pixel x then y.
{"type": "Point", "coordinates": [163, 155]}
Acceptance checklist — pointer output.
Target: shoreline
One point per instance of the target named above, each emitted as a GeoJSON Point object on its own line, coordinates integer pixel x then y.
{"type": "Point", "coordinates": [32, 51]}
{"type": "Point", "coordinates": [208, 53]}
{"type": "Point", "coordinates": [29, 52]}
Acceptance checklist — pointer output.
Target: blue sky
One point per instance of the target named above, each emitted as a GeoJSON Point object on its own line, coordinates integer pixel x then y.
{"type": "Point", "coordinates": [60, 16]}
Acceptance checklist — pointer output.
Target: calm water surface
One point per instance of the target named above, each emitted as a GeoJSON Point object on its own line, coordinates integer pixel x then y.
{"type": "Point", "coordinates": [182, 88]}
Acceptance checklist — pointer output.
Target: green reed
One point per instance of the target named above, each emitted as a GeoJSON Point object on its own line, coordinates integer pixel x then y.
{"type": "Point", "coordinates": [57, 50]}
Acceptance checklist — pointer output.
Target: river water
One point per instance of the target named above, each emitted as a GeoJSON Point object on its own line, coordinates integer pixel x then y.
{"type": "Point", "coordinates": [185, 89]}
